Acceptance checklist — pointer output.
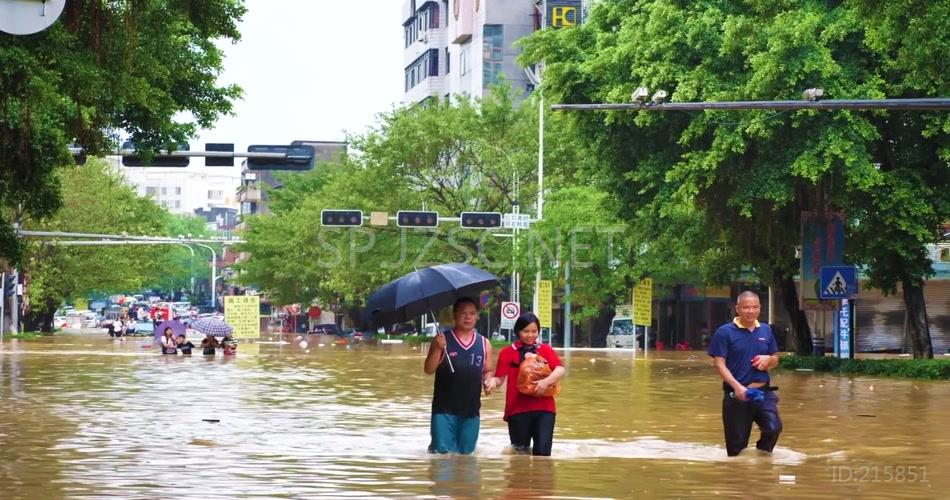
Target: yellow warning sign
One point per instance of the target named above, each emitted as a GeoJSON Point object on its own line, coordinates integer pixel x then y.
{"type": "Point", "coordinates": [544, 303]}
{"type": "Point", "coordinates": [643, 302]}
{"type": "Point", "coordinates": [243, 313]}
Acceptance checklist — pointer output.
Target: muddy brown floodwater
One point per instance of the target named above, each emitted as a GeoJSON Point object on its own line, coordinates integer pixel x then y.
{"type": "Point", "coordinates": [85, 417]}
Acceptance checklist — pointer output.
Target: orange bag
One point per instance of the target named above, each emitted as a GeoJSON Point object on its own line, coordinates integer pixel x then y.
{"type": "Point", "coordinates": [531, 370]}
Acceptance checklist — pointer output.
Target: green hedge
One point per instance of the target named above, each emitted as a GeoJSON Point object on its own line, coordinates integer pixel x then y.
{"type": "Point", "coordinates": [934, 369]}
{"type": "Point", "coordinates": [27, 335]}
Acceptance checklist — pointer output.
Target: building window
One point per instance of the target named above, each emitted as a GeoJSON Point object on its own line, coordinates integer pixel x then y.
{"type": "Point", "coordinates": [492, 53]}
{"type": "Point", "coordinates": [215, 194]}
{"type": "Point", "coordinates": [151, 191]}
{"type": "Point", "coordinates": [411, 31]}
{"type": "Point", "coordinates": [425, 66]}
{"type": "Point", "coordinates": [433, 12]}
{"type": "Point", "coordinates": [463, 61]}
{"type": "Point", "coordinates": [164, 190]}
{"type": "Point", "coordinates": [448, 61]}
{"type": "Point", "coordinates": [177, 203]}
{"type": "Point", "coordinates": [178, 190]}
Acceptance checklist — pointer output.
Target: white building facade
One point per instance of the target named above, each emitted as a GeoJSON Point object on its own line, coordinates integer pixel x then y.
{"type": "Point", "coordinates": [184, 190]}
{"type": "Point", "coordinates": [461, 47]}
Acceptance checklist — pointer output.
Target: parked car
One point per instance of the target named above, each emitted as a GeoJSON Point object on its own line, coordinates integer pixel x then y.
{"type": "Point", "coordinates": [81, 319]}
{"type": "Point", "coordinates": [326, 329]}
{"type": "Point", "coordinates": [402, 329]}
{"type": "Point", "coordinates": [59, 322]}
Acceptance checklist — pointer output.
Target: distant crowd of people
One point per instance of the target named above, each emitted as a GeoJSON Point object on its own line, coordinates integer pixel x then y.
{"type": "Point", "coordinates": [128, 320]}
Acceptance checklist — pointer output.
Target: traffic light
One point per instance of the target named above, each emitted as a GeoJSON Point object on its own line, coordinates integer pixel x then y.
{"type": "Point", "coordinates": [481, 220]}
{"type": "Point", "coordinates": [407, 218]}
{"type": "Point", "coordinates": [218, 161]}
{"type": "Point", "coordinates": [299, 157]}
{"type": "Point", "coordinates": [341, 218]}
{"type": "Point", "coordinates": [158, 160]}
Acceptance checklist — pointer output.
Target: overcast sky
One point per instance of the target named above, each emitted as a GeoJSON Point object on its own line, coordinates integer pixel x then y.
{"type": "Point", "coordinates": [310, 69]}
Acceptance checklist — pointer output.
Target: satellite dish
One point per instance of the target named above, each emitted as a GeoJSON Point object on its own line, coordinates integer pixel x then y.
{"type": "Point", "coordinates": [25, 17]}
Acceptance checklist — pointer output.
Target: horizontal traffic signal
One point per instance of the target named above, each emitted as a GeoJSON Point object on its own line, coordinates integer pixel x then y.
{"type": "Point", "coordinates": [481, 220]}
{"type": "Point", "coordinates": [219, 161]}
{"type": "Point", "coordinates": [299, 157]}
{"type": "Point", "coordinates": [158, 160]}
{"type": "Point", "coordinates": [341, 218]}
{"type": "Point", "coordinates": [407, 218]}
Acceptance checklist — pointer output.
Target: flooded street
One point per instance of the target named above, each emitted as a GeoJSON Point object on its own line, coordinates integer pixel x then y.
{"type": "Point", "coordinates": [85, 417]}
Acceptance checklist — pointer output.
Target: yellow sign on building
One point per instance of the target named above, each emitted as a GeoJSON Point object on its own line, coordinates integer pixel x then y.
{"type": "Point", "coordinates": [243, 313]}
{"type": "Point", "coordinates": [643, 303]}
{"type": "Point", "coordinates": [544, 303]}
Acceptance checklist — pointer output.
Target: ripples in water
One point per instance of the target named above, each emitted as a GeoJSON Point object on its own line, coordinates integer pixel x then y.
{"type": "Point", "coordinates": [90, 418]}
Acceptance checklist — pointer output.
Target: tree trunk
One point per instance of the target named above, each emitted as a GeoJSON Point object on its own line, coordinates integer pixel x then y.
{"type": "Point", "coordinates": [917, 325]}
{"type": "Point", "coordinates": [40, 320]}
{"type": "Point", "coordinates": [801, 333]}
{"type": "Point", "coordinates": [598, 335]}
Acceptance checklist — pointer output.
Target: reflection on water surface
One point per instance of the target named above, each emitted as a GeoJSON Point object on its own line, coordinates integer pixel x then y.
{"type": "Point", "coordinates": [83, 416]}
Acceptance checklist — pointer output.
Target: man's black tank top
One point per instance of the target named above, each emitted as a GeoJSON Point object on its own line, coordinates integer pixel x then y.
{"type": "Point", "coordinates": [460, 393]}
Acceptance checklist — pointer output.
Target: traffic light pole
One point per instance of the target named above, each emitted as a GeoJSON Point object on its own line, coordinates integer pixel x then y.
{"type": "Point", "coordinates": [3, 305]}
{"type": "Point", "coordinates": [214, 271]}
{"type": "Point", "coordinates": [15, 303]}
{"type": "Point", "coordinates": [14, 298]}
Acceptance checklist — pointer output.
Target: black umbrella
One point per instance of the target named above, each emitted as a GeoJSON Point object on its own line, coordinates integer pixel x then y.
{"type": "Point", "coordinates": [424, 291]}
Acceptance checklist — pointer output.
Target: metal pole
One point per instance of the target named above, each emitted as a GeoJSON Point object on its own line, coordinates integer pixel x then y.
{"type": "Point", "coordinates": [646, 341]}
{"type": "Point", "coordinates": [515, 292]}
{"type": "Point", "coordinates": [567, 308]}
{"type": "Point", "coordinates": [544, 20]}
{"type": "Point", "coordinates": [922, 104]}
{"type": "Point", "coordinates": [15, 303]}
{"type": "Point", "coordinates": [541, 157]}
{"type": "Point", "coordinates": [214, 272]}
{"type": "Point", "coordinates": [124, 237]}
{"type": "Point", "coordinates": [192, 289]}
{"type": "Point", "coordinates": [3, 304]}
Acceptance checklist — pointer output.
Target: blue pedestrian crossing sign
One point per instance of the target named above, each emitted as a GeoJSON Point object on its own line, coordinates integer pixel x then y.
{"type": "Point", "coordinates": [838, 282]}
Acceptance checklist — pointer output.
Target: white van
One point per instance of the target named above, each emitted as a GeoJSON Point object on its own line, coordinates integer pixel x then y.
{"type": "Point", "coordinates": [81, 319]}
{"type": "Point", "coordinates": [622, 333]}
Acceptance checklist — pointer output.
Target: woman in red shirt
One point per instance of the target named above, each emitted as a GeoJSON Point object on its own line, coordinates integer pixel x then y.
{"type": "Point", "coordinates": [530, 417]}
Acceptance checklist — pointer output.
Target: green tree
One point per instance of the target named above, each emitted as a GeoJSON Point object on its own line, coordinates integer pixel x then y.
{"type": "Point", "coordinates": [743, 179]}
{"type": "Point", "coordinates": [95, 200]}
{"type": "Point", "coordinates": [449, 158]}
{"type": "Point", "coordinates": [581, 230]}
{"type": "Point", "coordinates": [104, 67]}
{"type": "Point", "coordinates": [180, 268]}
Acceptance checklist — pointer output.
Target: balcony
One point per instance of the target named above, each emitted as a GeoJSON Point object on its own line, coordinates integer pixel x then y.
{"type": "Point", "coordinates": [249, 195]}
{"type": "Point", "coordinates": [431, 86]}
{"type": "Point", "coordinates": [433, 38]}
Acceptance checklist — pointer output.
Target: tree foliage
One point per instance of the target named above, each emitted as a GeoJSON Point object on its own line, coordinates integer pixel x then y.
{"type": "Point", "coordinates": [446, 157]}
{"type": "Point", "coordinates": [95, 200]}
{"type": "Point", "coordinates": [104, 67]}
{"type": "Point", "coordinates": [734, 184]}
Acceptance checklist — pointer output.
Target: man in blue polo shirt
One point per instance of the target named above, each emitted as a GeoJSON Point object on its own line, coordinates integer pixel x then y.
{"type": "Point", "coordinates": [744, 351]}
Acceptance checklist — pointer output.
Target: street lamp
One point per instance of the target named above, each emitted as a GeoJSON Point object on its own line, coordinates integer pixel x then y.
{"type": "Point", "coordinates": [191, 290]}
{"type": "Point", "coordinates": [214, 272]}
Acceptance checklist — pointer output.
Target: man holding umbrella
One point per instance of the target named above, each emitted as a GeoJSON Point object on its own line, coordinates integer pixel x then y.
{"type": "Point", "coordinates": [459, 361]}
